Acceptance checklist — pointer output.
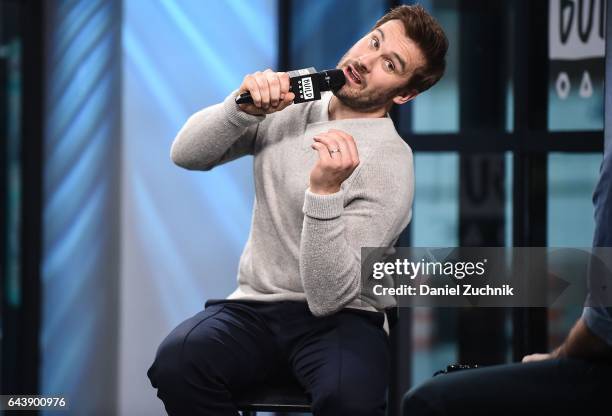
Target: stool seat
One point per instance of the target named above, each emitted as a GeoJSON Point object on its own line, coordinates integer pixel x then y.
{"type": "Point", "coordinates": [280, 393]}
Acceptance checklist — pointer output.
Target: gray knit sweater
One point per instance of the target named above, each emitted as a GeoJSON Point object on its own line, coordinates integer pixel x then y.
{"type": "Point", "coordinates": [304, 246]}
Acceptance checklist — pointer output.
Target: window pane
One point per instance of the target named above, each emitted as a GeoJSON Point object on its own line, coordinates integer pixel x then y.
{"type": "Point", "coordinates": [571, 181]}
{"type": "Point", "coordinates": [436, 207]}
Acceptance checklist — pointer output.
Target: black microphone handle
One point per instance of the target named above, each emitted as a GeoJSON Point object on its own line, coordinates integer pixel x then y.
{"type": "Point", "coordinates": [245, 97]}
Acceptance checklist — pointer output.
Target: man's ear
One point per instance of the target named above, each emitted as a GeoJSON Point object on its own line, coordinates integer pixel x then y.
{"type": "Point", "coordinates": [405, 97]}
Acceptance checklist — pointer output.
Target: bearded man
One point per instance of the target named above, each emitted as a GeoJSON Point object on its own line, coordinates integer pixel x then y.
{"type": "Point", "coordinates": [331, 176]}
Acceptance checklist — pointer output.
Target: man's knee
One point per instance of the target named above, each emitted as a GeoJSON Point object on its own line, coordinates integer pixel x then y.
{"type": "Point", "coordinates": [181, 359]}
{"type": "Point", "coordinates": [166, 372]}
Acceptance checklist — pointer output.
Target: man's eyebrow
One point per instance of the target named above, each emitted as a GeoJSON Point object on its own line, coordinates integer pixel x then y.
{"type": "Point", "coordinates": [399, 59]}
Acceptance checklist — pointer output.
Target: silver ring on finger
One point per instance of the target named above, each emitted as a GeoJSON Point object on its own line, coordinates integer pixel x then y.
{"type": "Point", "coordinates": [332, 151]}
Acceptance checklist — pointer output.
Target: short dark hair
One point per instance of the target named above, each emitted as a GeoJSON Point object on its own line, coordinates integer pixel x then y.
{"type": "Point", "coordinates": [427, 34]}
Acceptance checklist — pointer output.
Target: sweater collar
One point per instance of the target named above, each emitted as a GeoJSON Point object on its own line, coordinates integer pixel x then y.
{"type": "Point", "coordinates": [321, 108]}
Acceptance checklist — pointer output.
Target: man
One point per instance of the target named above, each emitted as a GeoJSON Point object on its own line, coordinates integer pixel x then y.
{"type": "Point", "coordinates": [574, 379]}
{"type": "Point", "coordinates": [331, 177]}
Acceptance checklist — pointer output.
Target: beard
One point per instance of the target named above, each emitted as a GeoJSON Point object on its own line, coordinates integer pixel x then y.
{"type": "Point", "coordinates": [359, 98]}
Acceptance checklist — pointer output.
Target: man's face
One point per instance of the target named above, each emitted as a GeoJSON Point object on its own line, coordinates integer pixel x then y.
{"type": "Point", "coordinates": [378, 67]}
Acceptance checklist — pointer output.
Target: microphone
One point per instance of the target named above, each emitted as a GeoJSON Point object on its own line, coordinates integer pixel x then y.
{"type": "Point", "coordinates": [307, 86]}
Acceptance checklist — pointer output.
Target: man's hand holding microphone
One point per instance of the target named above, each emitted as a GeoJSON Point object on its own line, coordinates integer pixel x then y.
{"type": "Point", "coordinates": [269, 91]}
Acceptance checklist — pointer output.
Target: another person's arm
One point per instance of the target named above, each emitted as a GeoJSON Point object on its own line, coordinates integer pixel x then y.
{"type": "Point", "coordinates": [591, 336]}
{"type": "Point", "coordinates": [582, 341]}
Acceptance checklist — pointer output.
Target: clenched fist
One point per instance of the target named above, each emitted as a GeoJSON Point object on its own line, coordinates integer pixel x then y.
{"type": "Point", "coordinates": [269, 90]}
{"type": "Point", "coordinates": [338, 158]}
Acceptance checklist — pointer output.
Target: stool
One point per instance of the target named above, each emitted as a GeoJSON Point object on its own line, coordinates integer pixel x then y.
{"type": "Point", "coordinates": [281, 393]}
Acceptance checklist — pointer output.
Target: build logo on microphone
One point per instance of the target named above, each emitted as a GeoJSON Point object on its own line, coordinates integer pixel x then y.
{"type": "Point", "coordinates": [306, 90]}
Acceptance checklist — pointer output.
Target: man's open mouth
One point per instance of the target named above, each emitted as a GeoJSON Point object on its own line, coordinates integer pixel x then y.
{"type": "Point", "coordinates": [353, 74]}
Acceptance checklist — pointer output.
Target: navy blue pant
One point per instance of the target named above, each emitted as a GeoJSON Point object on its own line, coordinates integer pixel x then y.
{"type": "Point", "coordinates": [342, 360]}
{"type": "Point", "coordinates": [551, 387]}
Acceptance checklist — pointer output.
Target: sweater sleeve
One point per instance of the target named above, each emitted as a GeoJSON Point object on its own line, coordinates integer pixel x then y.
{"type": "Point", "coordinates": [597, 317]}
{"type": "Point", "coordinates": [599, 321]}
{"type": "Point", "coordinates": [333, 234]}
{"type": "Point", "coordinates": [215, 135]}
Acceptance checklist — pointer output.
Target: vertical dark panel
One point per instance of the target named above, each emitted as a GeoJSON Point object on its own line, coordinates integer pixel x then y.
{"type": "Point", "coordinates": [482, 70]}
{"type": "Point", "coordinates": [530, 169]}
{"type": "Point", "coordinates": [400, 339]}
{"type": "Point", "coordinates": [481, 192]}
{"type": "Point", "coordinates": [400, 331]}
{"type": "Point", "coordinates": [32, 179]}
{"type": "Point", "coordinates": [6, 12]}
{"type": "Point", "coordinates": [21, 316]}
{"type": "Point", "coordinates": [608, 83]}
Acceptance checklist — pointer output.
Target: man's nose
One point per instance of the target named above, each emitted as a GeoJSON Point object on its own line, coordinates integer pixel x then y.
{"type": "Point", "coordinates": [366, 61]}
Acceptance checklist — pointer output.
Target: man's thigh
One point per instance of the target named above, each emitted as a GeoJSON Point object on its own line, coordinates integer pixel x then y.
{"type": "Point", "coordinates": [560, 387]}
{"type": "Point", "coordinates": [227, 342]}
{"type": "Point", "coordinates": [344, 364]}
